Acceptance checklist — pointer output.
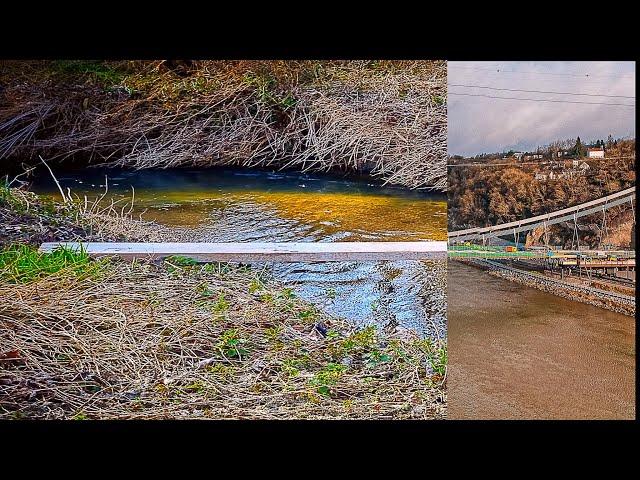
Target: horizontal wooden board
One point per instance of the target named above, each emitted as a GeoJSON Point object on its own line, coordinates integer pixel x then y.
{"type": "Point", "coordinates": [265, 252]}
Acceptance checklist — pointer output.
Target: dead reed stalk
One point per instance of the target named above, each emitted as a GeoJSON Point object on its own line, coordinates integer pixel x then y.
{"type": "Point", "coordinates": [136, 340]}
{"type": "Point", "coordinates": [390, 122]}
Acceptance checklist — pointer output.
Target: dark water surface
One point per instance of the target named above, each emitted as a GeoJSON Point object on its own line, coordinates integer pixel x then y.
{"type": "Point", "coordinates": [520, 353]}
{"type": "Point", "coordinates": [249, 206]}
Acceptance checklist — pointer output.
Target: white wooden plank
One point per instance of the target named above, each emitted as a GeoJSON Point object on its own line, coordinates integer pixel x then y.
{"type": "Point", "coordinates": [261, 251]}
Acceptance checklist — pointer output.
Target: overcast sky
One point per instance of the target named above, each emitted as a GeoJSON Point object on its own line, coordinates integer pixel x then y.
{"type": "Point", "coordinates": [482, 125]}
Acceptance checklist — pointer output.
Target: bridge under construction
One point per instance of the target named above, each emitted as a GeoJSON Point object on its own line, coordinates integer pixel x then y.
{"type": "Point", "coordinates": [613, 264]}
{"type": "Point", "coordinates": [564, 215]}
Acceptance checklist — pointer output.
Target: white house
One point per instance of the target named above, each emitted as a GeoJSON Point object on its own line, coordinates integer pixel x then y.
{"type": "Point", "coordinates": [584, 166]}
{"type": "Point", "coordinates": [595, 152]}
{"type": "Point", "coordinates": [540, 176]}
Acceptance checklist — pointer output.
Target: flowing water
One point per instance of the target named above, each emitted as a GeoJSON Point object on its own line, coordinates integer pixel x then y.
{"type": "Point", "coordinates": [517, 352]}
{"type": "Point", "coordinates": [250, 206]}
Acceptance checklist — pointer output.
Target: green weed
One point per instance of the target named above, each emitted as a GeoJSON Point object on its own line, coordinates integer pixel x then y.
{"type": "Point", "coordinates": [223, 372]}
{"type": "Point", "coordinates": [307, 316]}
{"type": "Point", "coordinates": [23, 263]}
{"type": "Point", "coordinates": [230, 344]}
{"type": "Point", "coordinates": [267, 298]}
{"type": "Point", "coordinates": [265, 87]}
{"type": "Point", "coordinates": [327, 377]}
{"type": "Point", "coordinates": [332, 334]}
{"type": "Point", "coordinates": [255, 285]}
{"type": "Point", "coordinates": [5, 191]}
{"type": "Point", "coordinates": [291, 367]}
{"type": "Point", "coordinates": [8, 198]}
{"type": "Point", "coordinates": [180, 261]}
{"type": "Point", "coordinates": [375, 357]}
{"type": "Point", "coordinates": [195, 387]}
{"type": "Point", "coordinates": [439, 360]}
{"type": "Point", "coordinates": [221, 305]}
{"type": "Point", "coordinates": [96, 70]}
{"type": "Point", "coordinates": [287, 294]}
{"type": "Point", "coordinates": [359, 342]}
{"type": "Point", "coordinates": [204, 290]}
{"type": "Point", "coordinates": [436, 355]}
{"type": "Point", "coordinates": [273, 333]}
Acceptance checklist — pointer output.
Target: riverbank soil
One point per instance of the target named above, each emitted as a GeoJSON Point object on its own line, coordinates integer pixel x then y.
{"type": "Point", "coordinates": [570, 288]}
{"type": "Point", "coordinates": [520, 353]}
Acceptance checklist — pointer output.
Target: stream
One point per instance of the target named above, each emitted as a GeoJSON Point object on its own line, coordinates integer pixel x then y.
{"type": "Point", "coordinates": [235, 205]}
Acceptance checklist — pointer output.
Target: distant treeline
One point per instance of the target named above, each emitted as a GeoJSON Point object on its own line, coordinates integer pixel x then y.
{"type": "Point", "coordinates": [571, 147]}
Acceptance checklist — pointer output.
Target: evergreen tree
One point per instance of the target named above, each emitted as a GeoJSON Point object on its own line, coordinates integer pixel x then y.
{"type": "Point", "coordinates": [579, 148]}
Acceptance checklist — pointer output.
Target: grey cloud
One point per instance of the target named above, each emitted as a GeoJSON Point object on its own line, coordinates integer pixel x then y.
{"type": "Point", "coordinates": [479, 124]}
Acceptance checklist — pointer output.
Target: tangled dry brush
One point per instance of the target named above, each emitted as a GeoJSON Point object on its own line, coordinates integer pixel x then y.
{"type": "Point", "coordinates": [388, 119]}
{"type": "Point", "coordinates": [123, 340]}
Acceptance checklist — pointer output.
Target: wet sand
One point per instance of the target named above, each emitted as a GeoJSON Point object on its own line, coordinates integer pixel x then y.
{"type": "Point", "coordinates": [519, 353]}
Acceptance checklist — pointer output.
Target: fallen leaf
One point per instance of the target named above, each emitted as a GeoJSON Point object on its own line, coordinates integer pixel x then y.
{"type": "Point", "coordinates": [10, 355]}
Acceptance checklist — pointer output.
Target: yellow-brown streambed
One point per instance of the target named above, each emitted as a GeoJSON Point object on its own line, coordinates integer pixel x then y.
{"type": "Point", "coordinates": [244, 206]}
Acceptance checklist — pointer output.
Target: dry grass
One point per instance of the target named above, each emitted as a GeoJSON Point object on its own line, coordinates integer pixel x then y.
{"type": "Point", "coordinates": [385, 118]}
{"type": "Point", "coordinates": [147, 341]}
{"type": "Point", "coordinates": [140, 340]}
{"type": "Point", "coordinates": [27, 218]}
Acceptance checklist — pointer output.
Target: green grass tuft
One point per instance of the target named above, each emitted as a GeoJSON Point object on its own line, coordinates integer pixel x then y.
{"type": "Point", "coordinates": [24, 263]}
{"type": "Point", "coordinates": [100, 71]}
{"type": "Point", "coordinates": [231, 344]}
{"type": "Point", "coordinates": [180, 261]}
{"type": "Point", "coordinates": [327, 377]}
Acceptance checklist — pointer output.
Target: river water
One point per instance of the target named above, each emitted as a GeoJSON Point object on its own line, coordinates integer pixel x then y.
{"type": "Point", "coordinates": [250, 206]}
{"type": "Point", "coordinates": [520, 353]}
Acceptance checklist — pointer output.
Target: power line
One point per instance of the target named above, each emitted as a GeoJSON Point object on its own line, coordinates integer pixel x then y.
{"type": "Point", "coordinates": [576, 84]}
{"type": "Point", "coordinates": [580, 75]}
{"type": "Point", "coordinates": [538, 91]}
{"type": "Point", "coordinates": [541, 100]}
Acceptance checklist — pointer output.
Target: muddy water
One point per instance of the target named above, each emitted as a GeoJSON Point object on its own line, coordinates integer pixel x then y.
{"type": "Point", "coordinates": [249, 206]}
{"type": "Point", "coordinates": [519, 353]}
